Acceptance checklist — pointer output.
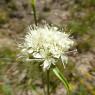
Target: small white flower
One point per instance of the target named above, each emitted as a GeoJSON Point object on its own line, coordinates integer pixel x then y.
{"type": "Point", "coordinates": [47, 63]}
{"type": "Point", "coordinates": [46, 43]}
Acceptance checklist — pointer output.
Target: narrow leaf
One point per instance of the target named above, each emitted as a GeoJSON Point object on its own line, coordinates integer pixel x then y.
{"type": "Point", "coordinates": [58, 73]}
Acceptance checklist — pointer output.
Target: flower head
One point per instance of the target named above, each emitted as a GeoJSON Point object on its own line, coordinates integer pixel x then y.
{"type": "Point", "coordinates": [46, 43]}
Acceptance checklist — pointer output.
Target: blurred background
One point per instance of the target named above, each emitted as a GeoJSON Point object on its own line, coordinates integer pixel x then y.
{"type": "Point", "coordinates": [76, 17]}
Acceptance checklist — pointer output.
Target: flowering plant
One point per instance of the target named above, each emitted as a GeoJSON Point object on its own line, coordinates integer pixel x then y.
{"type": "Point", "coordinates": [47, 44]}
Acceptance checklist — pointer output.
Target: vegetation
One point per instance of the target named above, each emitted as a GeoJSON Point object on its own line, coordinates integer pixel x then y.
{"type": "Point", "coordinates": [17, 77]}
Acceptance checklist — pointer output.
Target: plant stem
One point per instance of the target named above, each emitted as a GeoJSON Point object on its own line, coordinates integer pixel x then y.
{"type": "Point", "coordinates": [43, 83]}
{"type": "Point", "coordinates": [48, 82]}
{"type": "Point", "coordinates": [34, 11]}
{"type": "Point", "coordinates": [42, 80]}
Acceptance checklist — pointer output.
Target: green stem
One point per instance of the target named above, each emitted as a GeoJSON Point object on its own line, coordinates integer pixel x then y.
{"type": "Point", "coordinates": [43, 83]}
{"type": "Point", "coordinates": [48, 82]}
{"type": "Point", "coordinates": [42, 79]}
{"type": "Point", "coordinates": [34, 11]}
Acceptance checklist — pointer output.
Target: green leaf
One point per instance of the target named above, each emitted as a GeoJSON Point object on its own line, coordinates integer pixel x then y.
{"type": "Point", "coordinates": [58, 73]}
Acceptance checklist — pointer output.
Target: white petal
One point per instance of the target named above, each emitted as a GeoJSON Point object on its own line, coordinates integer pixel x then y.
{"type": "Point", "coordinates": [37, 55]}
{"type": "Point", "coordinates": [64, 59]}
{"type": "Point", "coordinates": [24, 50]}
{"type": "Point", "coordinates": [46, 65]}
{"type": "Point", "coordinates": [30, 51]}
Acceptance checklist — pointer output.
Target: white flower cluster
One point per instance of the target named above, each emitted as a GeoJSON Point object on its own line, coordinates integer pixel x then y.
{"type": "Point", "coordinates": [46, 43]}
